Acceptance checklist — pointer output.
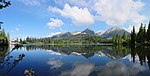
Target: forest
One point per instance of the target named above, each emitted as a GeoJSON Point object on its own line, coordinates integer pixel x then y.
{"type": "Point", "coordinates": [142, 37]}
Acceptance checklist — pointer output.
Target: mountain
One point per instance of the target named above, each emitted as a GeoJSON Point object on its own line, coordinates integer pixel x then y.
{"type": "Point", "coordinates": [88, 32]}
{"type": "Point", "coordinates": [110, 32]}
{"type": "Point", "coordinates": [76, 34]}
{"type": "Point", "coordinates": [62, 35]}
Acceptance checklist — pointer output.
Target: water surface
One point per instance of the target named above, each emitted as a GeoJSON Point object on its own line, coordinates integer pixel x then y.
{"type": "Point", "coordinates": [47, 60]}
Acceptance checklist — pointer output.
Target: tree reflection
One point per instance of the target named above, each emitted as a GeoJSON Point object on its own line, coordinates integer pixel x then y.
{"type": "Point", "coordinates": [113, 52]}
{"type": "Point", "coordinates": [143, 53]}
{"type": "Point", "coordinates": [7, 61]}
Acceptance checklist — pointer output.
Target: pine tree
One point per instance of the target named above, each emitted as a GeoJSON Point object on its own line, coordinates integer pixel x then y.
{"type": "Point", "coordinates": [148, 32]}
{"type": "Point", "coordinates": [124, 37]}
{"type": "Point", "coordinates": [133, 36]}
{"type": "Point", "coordinates": [140, 35]}
{"type": "Point", "coordinates": [145, 35]}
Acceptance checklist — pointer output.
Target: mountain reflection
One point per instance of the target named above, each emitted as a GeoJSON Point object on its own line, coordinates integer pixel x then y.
{"type": "Point", "coordinates": [113, 52]}
{"type": "Point", "coordinates": [76, 60]}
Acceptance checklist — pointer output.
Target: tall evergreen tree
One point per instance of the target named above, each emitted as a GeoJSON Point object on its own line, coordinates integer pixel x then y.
{"type": "Point", "coordinates": [148, 32]}
{"type": "Point", "coordinates": [133, 36]}
{"type": "Point", "coordinates": [140, 35]}
{"type": "Point", "coordinates": [124, 37]}
{"type": "Point", "coordinates": [145, 35]}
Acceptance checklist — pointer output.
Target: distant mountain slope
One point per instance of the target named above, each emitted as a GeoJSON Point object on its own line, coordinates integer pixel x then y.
{"type": "Point", "coordinates": [88, 31]}
{"type": "Point", "coordinates": [77, 34]}
{"type": "Point", "coordinates": [110, 32]}
{"type": "Point", "coordinates": [62, 35]}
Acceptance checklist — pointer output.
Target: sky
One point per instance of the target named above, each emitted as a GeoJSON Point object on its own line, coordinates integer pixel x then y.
{"type": "Point", "coordinates": [42, 18]}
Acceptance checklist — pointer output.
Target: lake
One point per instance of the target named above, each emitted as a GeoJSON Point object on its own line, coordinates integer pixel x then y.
{"type": "Point", "coordinates": [48, 60]}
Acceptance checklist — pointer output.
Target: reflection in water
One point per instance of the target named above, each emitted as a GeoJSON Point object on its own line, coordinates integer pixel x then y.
{"type": "Point", "coordinates": [8, 62]}
{"type": "Point", "coordinates": [114, 52]}
{"type": "Point", "coordinates": [76, 60]}
{"type": "Point", "coordinates": [142, 52]}
{"type": "Point", "coordinates": [110, 69]}
{"type": "Point", "coordinates": [79, 69]}
{"type": "Point", "coordinates": [54, 63]}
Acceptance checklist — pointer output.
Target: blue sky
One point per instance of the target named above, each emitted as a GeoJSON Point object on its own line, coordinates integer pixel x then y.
{"type": "Point", "coordinates": [41, 18]}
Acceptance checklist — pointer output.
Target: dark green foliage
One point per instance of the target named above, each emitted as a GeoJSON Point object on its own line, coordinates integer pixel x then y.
{"type": "Point", "coordinates": [133, 36]}
{"type": "Point", "coordinates": [117, 39]}
{"type": "Point", "coordinates": [4, 4]}
{"type": "Point", "coordinates": [148, 32]}
{"type": "Point", "coordinates": [142, 37]}
{"type": "Point", "coordinates": [30, 40]}
{"type": "Point", "coordinates": [4, 39]}
{"type": "Point", "coordinates": [71, 40]}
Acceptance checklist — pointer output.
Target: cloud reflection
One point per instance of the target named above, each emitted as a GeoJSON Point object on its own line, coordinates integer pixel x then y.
{"type": "Point", "coordinates": [110, 69]}
{"type": "Point", "coordinates": [79, 69]}
{"type": "Point", "coordinates": [54, 63]}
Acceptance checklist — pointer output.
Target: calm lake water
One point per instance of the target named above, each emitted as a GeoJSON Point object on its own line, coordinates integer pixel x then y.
{"type": "Point", "coordinates": [46, 60]}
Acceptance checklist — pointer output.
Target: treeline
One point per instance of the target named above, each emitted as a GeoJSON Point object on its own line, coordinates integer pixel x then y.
{"type": "Point", "coordinates": [124, 39]}
{"type": "Point", "coordinates": [30, 40]}
{"type": "Point", "coordinates": [72, 40]}
{"type": "Point", "coordinates": [4, 38]}
{"type": "Point", "coordinates": [142, 37]}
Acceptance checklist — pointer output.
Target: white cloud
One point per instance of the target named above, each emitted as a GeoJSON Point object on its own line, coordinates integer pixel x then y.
{"type": "Point", "coordinates": [79, 16]}
{"type": "Point", "coordinates": [117, 12]}
{"type": "Point", "coordinates": [55, 23]}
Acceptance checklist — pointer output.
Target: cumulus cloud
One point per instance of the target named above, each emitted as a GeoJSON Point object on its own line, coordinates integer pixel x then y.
{"type": "Point", "coordinates": [116, 12]}
{"type": "Point", "coordinates": [79, 16]}
{"type": "Point", "coordinates": [55, 23]}
{"type": "Point", "coordinates": [54, 63]}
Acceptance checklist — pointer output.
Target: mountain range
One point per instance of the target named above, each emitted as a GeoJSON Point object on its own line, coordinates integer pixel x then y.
{"type": "Point", "coordinates": [88, 32]}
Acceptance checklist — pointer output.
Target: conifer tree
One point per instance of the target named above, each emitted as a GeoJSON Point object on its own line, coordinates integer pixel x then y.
{"type": "Point", "coordinates": [133, 36]}
{"type": "Point", "coordinates": [148, 32]}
